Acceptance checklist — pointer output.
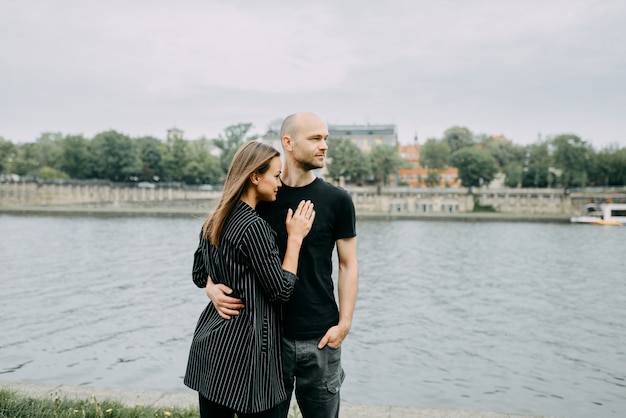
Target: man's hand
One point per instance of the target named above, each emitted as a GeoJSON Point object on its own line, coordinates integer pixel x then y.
{"type": "Point", "coordinates": [334, 337]}
{"type": "Point", "coordinates": [226, 306]}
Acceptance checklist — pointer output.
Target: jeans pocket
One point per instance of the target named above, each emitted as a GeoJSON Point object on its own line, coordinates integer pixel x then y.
{"type": "Point", "coordinates": [335, 375]}
{"type": "Point", "coordinates": [334, 384]}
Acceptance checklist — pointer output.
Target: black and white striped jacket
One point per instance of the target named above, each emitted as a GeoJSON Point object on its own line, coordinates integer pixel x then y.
{"type": "Point", "coordinates": [236, 362]}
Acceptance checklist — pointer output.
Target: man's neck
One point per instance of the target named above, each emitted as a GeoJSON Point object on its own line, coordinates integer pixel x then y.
{"type": "Point", "coordinates": [294, 177]}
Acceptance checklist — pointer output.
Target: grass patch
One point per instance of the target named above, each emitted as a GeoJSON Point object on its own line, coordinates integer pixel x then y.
{"type": "Point", "coordinates": [483, 209]}
{"type": "Point", "coordinates": [13, 405]}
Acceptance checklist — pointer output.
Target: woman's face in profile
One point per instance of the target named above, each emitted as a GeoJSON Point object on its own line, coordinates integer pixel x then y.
{"type": "Point", "coordinates": [269, 182]}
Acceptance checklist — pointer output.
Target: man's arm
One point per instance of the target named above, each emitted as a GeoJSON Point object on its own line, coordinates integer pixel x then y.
{"type": "Point", "coordinates": [226, 306]}
{"type": "Point", "coordinates": [347, 289]}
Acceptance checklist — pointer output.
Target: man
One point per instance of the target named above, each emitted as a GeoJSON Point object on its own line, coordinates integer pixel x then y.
{"type": "Point", "coordinates": [313, 326]}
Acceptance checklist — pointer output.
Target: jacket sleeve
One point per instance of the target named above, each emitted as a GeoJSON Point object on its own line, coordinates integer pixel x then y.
{"type": "Point", "coordinates": [260, 246]}
{"type": "Point", "coordinates": [199, 273]}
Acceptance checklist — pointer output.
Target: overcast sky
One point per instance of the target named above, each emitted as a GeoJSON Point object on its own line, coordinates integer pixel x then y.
{"type": "Point", "coordinates": [515, 68]}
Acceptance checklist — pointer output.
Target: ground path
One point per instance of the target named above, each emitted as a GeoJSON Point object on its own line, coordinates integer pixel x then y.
{"type": "Point", "coordinates": [188, 398]}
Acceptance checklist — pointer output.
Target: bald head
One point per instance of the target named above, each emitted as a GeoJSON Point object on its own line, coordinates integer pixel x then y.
{"type": "Point", "coordinates": [294, 123]}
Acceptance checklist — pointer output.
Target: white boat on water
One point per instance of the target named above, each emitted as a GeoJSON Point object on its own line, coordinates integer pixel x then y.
{"type": "Point", "coordinates": [602, 214]}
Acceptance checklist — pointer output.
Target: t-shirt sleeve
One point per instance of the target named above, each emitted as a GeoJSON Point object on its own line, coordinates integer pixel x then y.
{"type": "Point", "coordinates": [345, 222]}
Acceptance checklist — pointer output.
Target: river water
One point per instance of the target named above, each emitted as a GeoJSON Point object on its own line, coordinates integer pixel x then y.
{"type": "Point", "coordinates": [509, 317]}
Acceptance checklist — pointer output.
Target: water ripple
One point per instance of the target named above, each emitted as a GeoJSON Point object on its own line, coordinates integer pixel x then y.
{"type": "Point", "coordinates": [523, 318]}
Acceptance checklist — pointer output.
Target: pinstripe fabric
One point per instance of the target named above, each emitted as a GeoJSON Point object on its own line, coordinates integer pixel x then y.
{"type": "Point", "coordinates": [236, 362]}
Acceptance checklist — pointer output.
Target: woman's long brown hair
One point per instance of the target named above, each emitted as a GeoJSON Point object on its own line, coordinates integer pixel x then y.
{"type": "Point", "coordinates": [252, 157]}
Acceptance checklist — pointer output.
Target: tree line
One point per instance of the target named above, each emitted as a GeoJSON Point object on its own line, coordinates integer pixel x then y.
{"type": "Point", "coordinates": [561, 161]}
{"type": "Point", "coordinates": [117, 157]}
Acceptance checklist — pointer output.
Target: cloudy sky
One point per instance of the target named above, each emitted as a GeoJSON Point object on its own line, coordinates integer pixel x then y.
{"type": "Point", "coordinates": [519, 68]}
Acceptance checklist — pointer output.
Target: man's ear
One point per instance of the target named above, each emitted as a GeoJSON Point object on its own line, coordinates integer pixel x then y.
{"type": "Point", "coordinates": [287, 143]}
{"type": "Point", "coordinates": [254, 178]}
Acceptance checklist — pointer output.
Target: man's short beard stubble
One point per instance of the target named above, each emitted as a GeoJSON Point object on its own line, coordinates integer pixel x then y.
{"type": "Point", "coordinates": [308, 165]}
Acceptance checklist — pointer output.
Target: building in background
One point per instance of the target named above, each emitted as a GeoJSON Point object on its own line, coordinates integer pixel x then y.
{"type": "Point", "coordinates": [366, 136]}
{"type": "Point", "coordinates": [174, 133]}
{"type": "Point", "coordinates": [272, 138]}
{"type": "Point", "coordinates": [418, 176]}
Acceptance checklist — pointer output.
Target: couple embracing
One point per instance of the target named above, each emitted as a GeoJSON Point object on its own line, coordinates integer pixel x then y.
{"type": "Point", "coordinates": [265, 259]}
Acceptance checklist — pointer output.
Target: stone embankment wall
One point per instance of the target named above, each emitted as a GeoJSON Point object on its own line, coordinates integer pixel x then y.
{"type": "Point", "coordinates": [54, 194]}
{"type": "Point", "coordinates": [531, 201]}
{"type": "Point", "coordinates": [459, 200]}
{"type": "Point", "coordinates": [366, 199]}
{"type": "Point", "coordinates": [411, 200]}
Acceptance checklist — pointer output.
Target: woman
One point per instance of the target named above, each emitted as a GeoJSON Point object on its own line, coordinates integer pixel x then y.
{"type": "Point", "coordinates": [235, 364]}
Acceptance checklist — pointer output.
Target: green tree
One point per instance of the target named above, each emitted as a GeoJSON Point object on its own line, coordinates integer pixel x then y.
{"type": "Point", "coordinates": [458, 137]}
{"type": "Point", "coordinates": [49, 149]}
{"type": "Point", "coordinates": [116, 156]}
{"type": "Point", "coordinates": [175, 158]}
{"type": "Point", "coordinates": [384, 160]}
{"type": "Point", "coordinates": [8, 152]}
{"type": "Point", "coordinates": [433, 178]}
{"type": "Point", "coordinates": [77, 159]}
{"type": "Point", "coordinates": [513, 172]}
{"type": "Point", "coordinates": [572, 155]}
{"type": "Point", "coordinates": [434, 156]}
{"type": "Point", "coordinates": [346, 160]}
{"type": "Point", "coordinates": [618, 168]}
{"type": "Point", "coordinates": [203, 168]}
{"type": "Point", "coordinates": [26, 161]}
{"type": "Point", "coordinates": [151, 151]}
{"type": "Point", "coordinates": [609, 168]}
{"type": "Point", "coordinates": [49, 173]}
{"type": "Point", "coordinates": [476, 166]}
{"type": "Point", "coordinates": [230, 141]}
{"type": "Point", "coordinates": [537, 163]}
{"type": "Point", "coordinates": [504, 151]}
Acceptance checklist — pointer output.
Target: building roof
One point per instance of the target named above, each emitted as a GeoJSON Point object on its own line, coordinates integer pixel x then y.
{"type": "Point", "coordinates": [409, 151]}
{"type": "Point", "coordinates": [362, 130]}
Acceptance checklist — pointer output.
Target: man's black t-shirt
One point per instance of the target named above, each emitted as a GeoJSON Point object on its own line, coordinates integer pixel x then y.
{"type": "Point", "coordinates": [312, 309]}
